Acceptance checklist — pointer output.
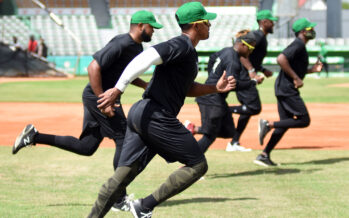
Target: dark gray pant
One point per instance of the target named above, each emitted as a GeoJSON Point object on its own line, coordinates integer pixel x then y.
{"type": "Point", "coordinates": [114, 188]}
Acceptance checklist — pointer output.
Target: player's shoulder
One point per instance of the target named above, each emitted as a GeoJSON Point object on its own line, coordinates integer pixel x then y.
{"type": "Point", "coordinates": [258, 32]}
{"type": "Point", "coordinates": [226, 55]}
{"type": "Point", "coordinates": [121, 40]}
{"type": "Point", "coordinates": [124, 36]}
{"type": "Point", "coordinates": [297, 44]}
{"type": "Point", "coordinates": [259, 36]}
{"type": "Point", "coordinates": [181, 44]}
{"type": "Point", "coordinates": [182, 41]}
{"type": "Point", "coordinates": [226, 52]}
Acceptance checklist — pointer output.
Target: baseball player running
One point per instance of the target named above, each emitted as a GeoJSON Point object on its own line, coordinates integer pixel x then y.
{"type": "Point", "coordinates": [293, 113]}
{"type": "Point", "coordinates": [104, 71]}
{"type": "Point", "coordinates": [216, 118]}
{"type": "Point", "coordinates": [249, 98]}
{"type": "Point", "coordinates": [153, 127]}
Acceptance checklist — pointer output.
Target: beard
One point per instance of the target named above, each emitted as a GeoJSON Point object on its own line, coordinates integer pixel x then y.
{"type": "Point", "coordinates": [311, 35]}
{"type": "Point", "coordinates": [145, 37]}
{"type": "Point", "coordinates": [270, 30]}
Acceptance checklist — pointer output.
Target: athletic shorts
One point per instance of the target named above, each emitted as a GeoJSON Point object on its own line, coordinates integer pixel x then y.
{"type": "Point", "coordinates": [152, 130]}
{"type": "Point", "coordinates": [216, 121]}
{"type": "Point", "coordinates": [94, 120]}
{"type": "Point", "coordinates": [250, 98]}
{"type": "Point", "coordinates": [290, 106]}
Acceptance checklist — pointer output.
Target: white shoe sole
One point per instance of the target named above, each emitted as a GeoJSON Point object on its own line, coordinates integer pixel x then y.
{"type": "Point", "coordinates": [229, 149]}
{"type": "Point", "coordinates": [260, 163]}
{"type": "Point", "coordinates": [265, 165]}
{"type": "Point", "coordinates": [115, 209]}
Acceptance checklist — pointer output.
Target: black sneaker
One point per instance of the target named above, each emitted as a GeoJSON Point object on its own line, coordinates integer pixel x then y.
{"type": "Point", "coordinates": [138, 211]}
{"type": "Point", "coordinates": [264, 160]}
{"type": "Point", "coordinates": [26, 138]}
{"type": "Point", "coordinates": [124, 205]}
{"type": "Point", "coordinates": [263, 129]}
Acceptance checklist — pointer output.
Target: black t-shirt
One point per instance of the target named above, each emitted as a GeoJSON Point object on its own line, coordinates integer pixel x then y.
{"type": "Point", "coordinates": [298, 59]}
{"type": "Point", "coordinates": [173, 78]}
{"type": "Point", "coordinates": [229, 60]}
{"type": "Point", "coordinates": [260, 51]}
{"type": "Point", "coordinates": [114, 58]}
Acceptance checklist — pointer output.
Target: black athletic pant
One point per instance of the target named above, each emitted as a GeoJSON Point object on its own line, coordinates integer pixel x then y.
{"type": "Point", "coordinates": [245, 115]}
{"type": "Point", "coordinates": [153, 130]}
{"type": "Point", "coordinates": [96, 126]}
{"type": "Point", "coordinates": [288, 108]}
{"type": "Point", "coordinates": [86, 145]}
{"type": "Point", "coordinates": [216, 121]}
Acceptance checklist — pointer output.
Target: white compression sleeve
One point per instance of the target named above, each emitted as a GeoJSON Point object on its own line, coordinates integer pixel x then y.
{"type": "Point", "coordinates": [138, 66]}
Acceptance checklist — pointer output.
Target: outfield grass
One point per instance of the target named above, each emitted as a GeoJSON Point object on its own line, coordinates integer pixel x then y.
{"type": "Point", "coordinates": [48, 182]}
{"type": "Point", "coordinates": [314, 90]}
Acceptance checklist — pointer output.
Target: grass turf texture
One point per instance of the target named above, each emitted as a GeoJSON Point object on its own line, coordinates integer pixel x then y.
{"type": "Point", "coordinates": [314, 90]}
{"type": "Point", "coordinates": [48, 182]}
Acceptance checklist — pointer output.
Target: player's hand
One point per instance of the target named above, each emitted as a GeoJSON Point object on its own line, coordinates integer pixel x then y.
{"type": "Point", "coordinates": [259, 79]}
{"type": "Point", "coordinates": [108, 111]}
{"type": "Point", "coordinates": [253, 74]}
{"type": "Point", "coordinates": [317, 67]}
{"type": "Point", "coordinates": [145, 85]}
{"type": "Point", "coordinates": [267, 73]}
{"type": "Point", "coordinates": [108, 98]}
{"type": "Point", "coordinates": [298, 83]}
{"type": "Point", "coordinates": [225, 83]}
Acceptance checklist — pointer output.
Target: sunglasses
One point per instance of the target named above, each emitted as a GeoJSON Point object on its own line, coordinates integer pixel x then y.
{"type": "Point", "coordinates": [207, 22]}
{"type": "Point", "coordinates": [250, 47]}
{"type": "Point", "coordinates": [309, 28]}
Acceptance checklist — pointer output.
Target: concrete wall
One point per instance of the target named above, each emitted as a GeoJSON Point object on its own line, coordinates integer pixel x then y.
{"type": "Point", "coordinates": [320, 18]}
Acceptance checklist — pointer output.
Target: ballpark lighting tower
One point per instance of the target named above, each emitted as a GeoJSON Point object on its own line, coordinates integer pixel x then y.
{"type": "Point", "coordinates": [59, 22]}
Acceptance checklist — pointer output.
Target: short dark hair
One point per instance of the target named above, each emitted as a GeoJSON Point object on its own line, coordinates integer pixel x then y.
{"type": "Point", "coordinates": [245, 35]}
{"type": "Point", "coordinates": [184, 27]}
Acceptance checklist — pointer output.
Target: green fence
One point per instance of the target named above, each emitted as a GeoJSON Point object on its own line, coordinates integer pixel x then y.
{"type": "Point", "coordinates": [70, 64]}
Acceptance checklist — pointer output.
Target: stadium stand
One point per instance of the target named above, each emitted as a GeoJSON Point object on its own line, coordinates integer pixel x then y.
{"type": "Point", "coordinates": [76, 15]}
{"type": "Point", "coordinates": [135, 3]}
{"type": "Point", "coordinates": [14, 26]}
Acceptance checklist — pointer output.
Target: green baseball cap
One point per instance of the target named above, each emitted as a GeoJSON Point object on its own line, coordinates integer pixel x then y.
{"type": "Point", "coordinates": [265, 14]}
{"type": "Point", "coordinates": [145, 17]}
{"type": "Point", "coordinates": [301, 24]}
{"type": "Point", "coordinates": [193, 11]}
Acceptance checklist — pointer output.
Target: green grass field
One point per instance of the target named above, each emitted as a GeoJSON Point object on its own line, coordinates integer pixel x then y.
{"type": "Point", "coordinates": [314, 90]}
{"type": "Point", "coordinates": [48, 182]}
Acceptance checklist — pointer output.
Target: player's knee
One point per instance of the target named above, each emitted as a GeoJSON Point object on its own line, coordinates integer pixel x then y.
{"type": "Point", "coordinates": [90, 150]}
{"type": "Point", "coordinates": [211, 137]}
{"type": "Point", "coordinates": [200, 168]}
{"type": "Point", "coordinates": [305, 120]}
{"type": "Point", "coordinates": [252, 111]}
{"type": "Point", "coordinates": [256, 111]}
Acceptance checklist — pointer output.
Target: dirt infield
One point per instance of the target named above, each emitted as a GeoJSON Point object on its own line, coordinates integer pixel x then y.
{"type": "Point", "coordinates": [328, 129]}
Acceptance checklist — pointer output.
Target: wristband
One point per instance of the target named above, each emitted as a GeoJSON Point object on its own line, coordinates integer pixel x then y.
{"type": "Point", "coordinates": [252, 70]}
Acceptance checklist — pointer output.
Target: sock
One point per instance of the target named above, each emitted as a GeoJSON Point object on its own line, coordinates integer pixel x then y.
{"type": "Point", "coordinates": [149, 202]}
{"type": "Point", "coordinates": [44, 139]}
